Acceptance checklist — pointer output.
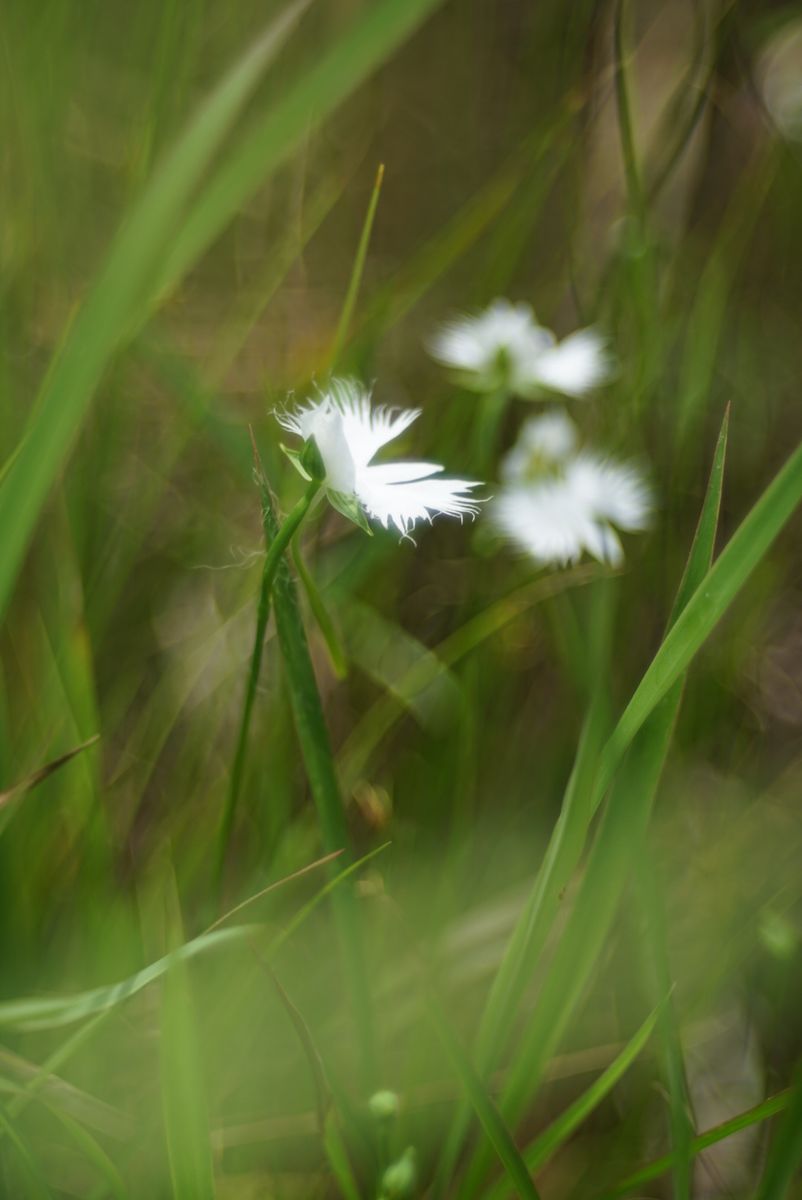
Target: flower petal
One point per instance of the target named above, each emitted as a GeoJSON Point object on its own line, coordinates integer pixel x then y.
{"type": "Point", "coordinates": [575, 365]}
{"type": "Point", "coordinates": [404, 503]}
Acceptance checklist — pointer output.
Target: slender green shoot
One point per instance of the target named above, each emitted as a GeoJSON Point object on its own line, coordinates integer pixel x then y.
{"type": "Point", "coordinates": [275, 550]}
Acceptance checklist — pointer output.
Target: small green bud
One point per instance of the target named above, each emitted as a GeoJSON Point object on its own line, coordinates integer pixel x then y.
{"type": "Point", "coordinates": [398, 1181]}
{"type": "Point", "coordinates": [383, 1106]}
{"type": "Point", "coordinates": [312, 461]}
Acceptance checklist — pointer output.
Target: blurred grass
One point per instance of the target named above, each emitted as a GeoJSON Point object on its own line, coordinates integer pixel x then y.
{"type": "Point", "coordinates": [186, 188]}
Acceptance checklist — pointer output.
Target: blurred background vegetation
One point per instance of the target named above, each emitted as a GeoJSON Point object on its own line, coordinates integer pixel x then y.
{"type": "Point", "coordinates": [500, 125]}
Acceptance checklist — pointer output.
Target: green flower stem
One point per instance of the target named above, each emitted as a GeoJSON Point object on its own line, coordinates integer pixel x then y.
{"type": "Point", "coordinates": [276, 548]}
{"type": "Point", "coordinates": [487, 430]}
{"type": "Point", "coordinates": [318, 760]}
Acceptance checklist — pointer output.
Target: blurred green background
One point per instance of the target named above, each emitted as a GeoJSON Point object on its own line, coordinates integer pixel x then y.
{"type": "Point", "coordinates": [130, 592]}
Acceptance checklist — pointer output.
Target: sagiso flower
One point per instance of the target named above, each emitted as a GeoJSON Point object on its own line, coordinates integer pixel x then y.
{"type": "Point", "coordinates": [559, 501]}
{"type": "Point", "coordinates": [343, 431]}
{"type": "Point", "coordinates": [505, 348]}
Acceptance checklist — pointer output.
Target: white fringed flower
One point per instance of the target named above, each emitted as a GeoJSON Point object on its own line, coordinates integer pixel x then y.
{"type": "Point", "coordinates": [348, 431]}
{"type": "Point", "coordinates": [505, 348]}
{"type": "Point", "coordinates": [559, 502]}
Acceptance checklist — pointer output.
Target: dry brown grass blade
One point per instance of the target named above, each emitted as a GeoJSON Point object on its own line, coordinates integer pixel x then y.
{"type": "Point", "coordinates": [32, 781]}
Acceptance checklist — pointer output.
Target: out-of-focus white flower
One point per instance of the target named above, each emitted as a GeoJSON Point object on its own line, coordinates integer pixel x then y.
{"type": "Point", "coordinates": [505, 348]}
{"type": "Point", "coordinates": [559, 502]}
{"type": "Point", "coordinates": [779, 74]}
{"type": "Point", "coordinates": [347, 432]}
{"type": "Point", "coordinates": [542, 443]}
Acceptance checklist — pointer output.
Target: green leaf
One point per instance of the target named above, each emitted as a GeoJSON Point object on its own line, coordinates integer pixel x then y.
{"type": "Point", "coordinates": [350, 507]}
{"type": "Point", "coordinates": [296, 458]}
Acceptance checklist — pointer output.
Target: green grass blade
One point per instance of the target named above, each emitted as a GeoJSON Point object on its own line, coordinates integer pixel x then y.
{"type": "Point", "coordinates": [658, 968]}
{"type": "Point", "coordinates": [35, 1013]}
{"type": "Point", "coordinates": [338, 1160]}
{"type": "Point", "coordinates": [745, 1120]}
{"type": "Point", "coordinates": [491, 1120]}
{"type": "Point", "coordinates": [557, 1133]}
{"type": "Point", "coordinates": [94, 1153]}
{"type": "Point", "coordinates": [620, 836]}
{"type": "Point", "coordinates": [785, 1154]}
{"type": "Point", "coordinates": [118, 301]}
{"type": "Point", "coordinates": [323, 618]}
{"type": "Point", "coordinates": [357, 271]}
{"type": "Point", "coordinates": [370, 39]}
{"type": "Point", "coordinates": [186, 1119]}
{"type": "Point", "coordinates": [37, 1188]}
{"type": "Point", "coordinates": [707, 605]}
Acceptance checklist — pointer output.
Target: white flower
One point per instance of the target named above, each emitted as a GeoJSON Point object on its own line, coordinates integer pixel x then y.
{"type": "Point", "coordinates": [559, 502]}
{"type": "Point", "coordinates": [504, 347]}
{"type": "Point", "coordinates": [542, 443]}
{"type": "Point", "coordinates": [348, 431]}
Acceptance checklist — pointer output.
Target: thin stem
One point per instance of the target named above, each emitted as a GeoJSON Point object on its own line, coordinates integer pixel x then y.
{"type": "Point", "coordinates": [272, 559]}
{"type": "Point", "coordinates": [625, 129]}
{"type": "Point", "coordinates": [313, 738]}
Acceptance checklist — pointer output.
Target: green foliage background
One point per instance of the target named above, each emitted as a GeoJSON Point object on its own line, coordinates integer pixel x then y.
{"type": "Point", "coordinates": [184, 190]}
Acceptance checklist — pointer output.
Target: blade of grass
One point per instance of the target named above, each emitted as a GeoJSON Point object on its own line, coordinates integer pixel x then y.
{"type": "Point", "coordinates": [745, 1120]}
{"type": "Point", "coordinates": [357, 271]}
{"type": "Point", "coordinates": [622, 829]}
{"type": "Point", "coordinates": [785, 1153]}
{"type": "Point", "coordinates": [186, 1118]}
{"type": "Point", "coordinates": [325, 623]}
{"type": "Point", "coordinates": [37, 1188]}
{"type": "Point", "coordinates": [32, 781]}
{"type": "Point", "coordinates": [707, 605]}
{"type": "Point", "coordinates": [365, 44]}
{"type": "Point", "coordinates": [34, 1013]}
{"type": "Point", "coordinates": [118, 300]}
{"type": "Point", "coordinates": [94, 1153]}
{"type": "Point", "coordinates": [557, 1133]}
{"type": "Point", "coordinates": [491, 1120]}
{"type": "Point", "coordinates": [655, 951]}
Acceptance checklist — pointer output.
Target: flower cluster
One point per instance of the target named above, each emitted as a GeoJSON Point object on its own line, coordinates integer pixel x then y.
{"type": "Point", "coordinates": [558, 499]}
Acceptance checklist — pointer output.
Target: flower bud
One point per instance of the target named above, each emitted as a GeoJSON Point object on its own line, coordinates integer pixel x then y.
{"type": "Point", "coordinates": [398, 1181]}
{"type": "Point", "coordinates": [383, 1106]}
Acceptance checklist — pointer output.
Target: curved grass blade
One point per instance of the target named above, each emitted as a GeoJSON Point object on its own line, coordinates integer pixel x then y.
{"type": "Point", "coordinates": [34, 1013]}
{"type": "Point", "coordinates": [707, 605]}
{"type": "Point", "coordinates": [745, 1120]}
{"type": "Point", "coordinates": [556, 1135]}
{"type": "Point", "coordinates": [119, 300]}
